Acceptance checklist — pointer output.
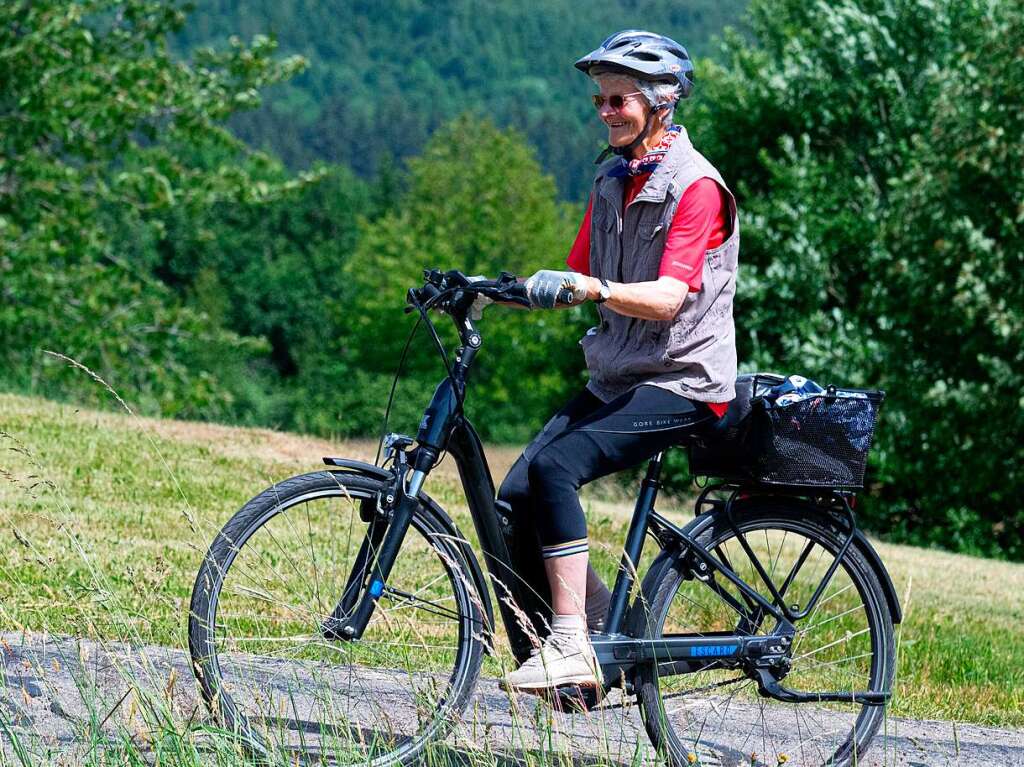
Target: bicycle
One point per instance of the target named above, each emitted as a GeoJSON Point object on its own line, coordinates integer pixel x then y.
{"type": "Point", "coordinates": [341, 616]}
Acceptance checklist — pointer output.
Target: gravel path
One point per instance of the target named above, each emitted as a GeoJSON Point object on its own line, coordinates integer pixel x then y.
{"type": "Point", "coordinates": [54, 692]}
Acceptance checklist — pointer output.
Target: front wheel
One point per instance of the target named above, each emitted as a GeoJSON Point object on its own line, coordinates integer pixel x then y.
{"type": "Point", "coordinates": [845, 644]}
{"type": "Point", "coordinates": [294, 695]}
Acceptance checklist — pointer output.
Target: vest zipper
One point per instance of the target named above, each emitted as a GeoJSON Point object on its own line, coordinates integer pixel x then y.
{"type": "Point", "coordinates": [621, 254]}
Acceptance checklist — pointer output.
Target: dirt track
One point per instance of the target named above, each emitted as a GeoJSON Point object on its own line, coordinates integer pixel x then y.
{"type": "Point", "coordinates": [52, 688]}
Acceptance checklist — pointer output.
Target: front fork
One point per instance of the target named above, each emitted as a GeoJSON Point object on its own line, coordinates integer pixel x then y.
{"type": "Point", "coordinates": [386, 529]}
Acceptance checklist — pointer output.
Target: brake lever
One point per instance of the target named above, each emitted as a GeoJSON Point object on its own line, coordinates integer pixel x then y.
{"type": "Point", "coordinates": [514, 292]}
{"type": "Point", "coordinates": [455, 279]}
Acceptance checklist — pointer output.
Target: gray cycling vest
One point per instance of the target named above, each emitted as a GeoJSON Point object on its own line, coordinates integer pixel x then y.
{"type": "Point", "coordinates": [694, 354]}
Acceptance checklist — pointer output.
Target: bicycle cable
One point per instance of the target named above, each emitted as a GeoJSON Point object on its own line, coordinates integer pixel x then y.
{"type": "Point", "coordinates": [394, 387]}
{"type": "Point", "coordinates": [423, 317]}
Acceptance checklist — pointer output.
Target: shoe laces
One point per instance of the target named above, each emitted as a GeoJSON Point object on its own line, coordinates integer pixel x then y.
{"type": "Point", "coordinates": [565, 644]}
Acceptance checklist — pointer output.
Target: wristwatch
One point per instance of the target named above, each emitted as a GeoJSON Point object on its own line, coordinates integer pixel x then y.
{"type": "Point", "coordinates": [605, 292]}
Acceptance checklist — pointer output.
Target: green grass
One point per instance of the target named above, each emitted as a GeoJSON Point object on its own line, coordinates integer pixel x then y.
{"type": "Point", "coordinates": [106, 518]}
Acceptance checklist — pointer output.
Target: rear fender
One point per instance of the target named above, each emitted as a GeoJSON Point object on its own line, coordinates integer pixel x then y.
{"type": "Point", "coordinates": [444, 526]}
{"type": "Point", "coordinates": [891, 598]}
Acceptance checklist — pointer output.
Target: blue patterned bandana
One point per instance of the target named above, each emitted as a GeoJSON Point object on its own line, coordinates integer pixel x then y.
{"type": "Point", "coordinates": [650, 160]}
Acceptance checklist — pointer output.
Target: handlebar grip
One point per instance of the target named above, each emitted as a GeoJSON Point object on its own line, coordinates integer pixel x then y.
{"type": "Point", "coordinates": [516, 292]}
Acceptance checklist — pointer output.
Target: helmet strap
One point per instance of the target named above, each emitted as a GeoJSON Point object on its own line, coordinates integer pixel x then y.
{"type": "Point", "coordinates": [627, 150]}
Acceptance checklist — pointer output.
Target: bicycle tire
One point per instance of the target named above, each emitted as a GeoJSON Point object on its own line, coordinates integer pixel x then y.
{"type": "Point", "coordinates": [330, 701]}
{"type": "Point", "coordinates": [744, 726]}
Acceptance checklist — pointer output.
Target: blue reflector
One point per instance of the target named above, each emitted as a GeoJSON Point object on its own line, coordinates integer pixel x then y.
{"type": "Point", "coordinates": [376, 588]}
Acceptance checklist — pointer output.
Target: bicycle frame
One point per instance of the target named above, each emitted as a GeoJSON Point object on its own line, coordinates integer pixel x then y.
{"type": "Point", "coordinates": [444, 427]}
{"type": "Point", "coordinates": [617, 653]}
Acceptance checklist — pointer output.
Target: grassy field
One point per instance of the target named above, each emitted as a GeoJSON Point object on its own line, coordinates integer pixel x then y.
{"type": "Point", "coordinates": [106, 518]}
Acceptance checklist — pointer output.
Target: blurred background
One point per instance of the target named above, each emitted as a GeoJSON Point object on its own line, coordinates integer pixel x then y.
{"type": "Point", "coordinates": [218, 210]}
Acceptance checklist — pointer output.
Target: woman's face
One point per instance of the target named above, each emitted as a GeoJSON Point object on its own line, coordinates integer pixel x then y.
{"type": "Point", "coordinates": [624, 124]}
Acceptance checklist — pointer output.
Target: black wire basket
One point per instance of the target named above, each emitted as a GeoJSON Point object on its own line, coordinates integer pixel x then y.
{"type": "Point", "coordinates": [820, 441]}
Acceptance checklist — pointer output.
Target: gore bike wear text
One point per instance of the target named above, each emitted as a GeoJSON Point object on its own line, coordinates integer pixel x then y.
{"type": "Point", "coordinates": [585, 440]}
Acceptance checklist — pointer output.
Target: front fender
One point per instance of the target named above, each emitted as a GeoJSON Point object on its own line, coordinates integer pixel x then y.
{"type": "Point", "coordinates": [446, 526]}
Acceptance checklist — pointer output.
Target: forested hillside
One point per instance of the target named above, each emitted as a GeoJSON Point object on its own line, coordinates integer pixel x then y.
{"type": "Point", "coordinates": [382, 77]}
{"type": "Point", "coordinates": [876, 148]}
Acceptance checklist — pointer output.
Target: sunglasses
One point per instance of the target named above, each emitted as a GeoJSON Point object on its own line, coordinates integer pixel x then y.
{"type": "Point", "coordinates": [616, 102]}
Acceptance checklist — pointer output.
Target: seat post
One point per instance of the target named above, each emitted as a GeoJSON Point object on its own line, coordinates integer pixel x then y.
{"type": "Point", "coordinates": [626, 576]}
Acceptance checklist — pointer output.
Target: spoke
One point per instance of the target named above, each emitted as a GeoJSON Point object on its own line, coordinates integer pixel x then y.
{"type": "Point", "coordinates": [296, 638]}
{"type": "Point", "coordinates": [848, 659]}
{"type": "Point", "coordinates": [413, 594]}
{"type": "Point", "coordinates": [242, 567]}
{"type": "Point", "coordinates": [410, 600]}
{"type": "Point", "coordinates": [846, 638]}
{"type": "Point", "coordinates": [704, 688]}
{"type": "Point", "coordinates": [312, 554]}
{"type": "Point", "coordinates": [818, 625]}
{"type": "Point", "coordinates": [821, 602]}
{"type": "Point", "coordinates": [832, 596]}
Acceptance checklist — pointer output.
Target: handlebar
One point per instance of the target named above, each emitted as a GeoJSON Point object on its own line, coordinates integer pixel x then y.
{"type": "Point", "coordinates": [453, 293]}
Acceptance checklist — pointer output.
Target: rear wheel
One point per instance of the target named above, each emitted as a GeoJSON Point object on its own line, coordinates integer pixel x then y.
{"type": "Point", "coordinates": [845, 644]}
{"type": "Point", "coordinates": [292, 695]}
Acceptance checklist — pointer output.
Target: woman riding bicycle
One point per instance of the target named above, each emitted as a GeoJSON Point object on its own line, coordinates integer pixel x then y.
{"type": "Point", "coordinates": [657, 250]}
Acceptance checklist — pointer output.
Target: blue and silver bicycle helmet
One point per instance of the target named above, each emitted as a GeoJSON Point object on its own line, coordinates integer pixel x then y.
{"type": "Point", "coordinates": [644, 56]}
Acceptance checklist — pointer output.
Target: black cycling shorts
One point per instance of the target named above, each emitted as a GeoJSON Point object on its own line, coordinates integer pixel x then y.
{"type": "Point", "coordinates": [585, 440]}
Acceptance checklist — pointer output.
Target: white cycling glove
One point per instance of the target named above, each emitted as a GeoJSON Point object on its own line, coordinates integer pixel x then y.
{"type": "Point", "coordinates": [548, 288]}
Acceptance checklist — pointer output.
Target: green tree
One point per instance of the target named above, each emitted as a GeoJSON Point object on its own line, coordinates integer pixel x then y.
{"type": "Point", "coordinates": [380, 84]}
{"type": "Point", "coordinates": [954, 303]}
{"type": "Point", "coordinates": [877, 147]}
{"type": "Point", "coordinates": [97, 121]}
{"type": "Point", "coordinates": [271, 269]}
{"type": "Point", "coordinates": [477, 201]}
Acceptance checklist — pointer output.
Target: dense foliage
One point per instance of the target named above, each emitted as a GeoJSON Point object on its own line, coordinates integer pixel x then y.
{"type": "Point", "coordinates": [878, 146]}
{"type": "Point", "coordinates": [875, 146]}
{"type": "Point", "coordinates": [383, 80]}
{"type": "Point", "coordinates": [98, 127]}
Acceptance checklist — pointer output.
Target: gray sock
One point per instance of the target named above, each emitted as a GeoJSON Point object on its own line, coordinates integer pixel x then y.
{"type": "Point", "coordinates": [569, 625]}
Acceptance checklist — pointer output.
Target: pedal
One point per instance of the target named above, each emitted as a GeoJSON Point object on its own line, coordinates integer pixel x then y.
{"type": "Point", "coordinates": [574, 698]}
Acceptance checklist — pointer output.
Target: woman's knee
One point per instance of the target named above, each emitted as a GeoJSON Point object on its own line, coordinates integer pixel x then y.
{"type": "Point", "coordinates": [549, 470]}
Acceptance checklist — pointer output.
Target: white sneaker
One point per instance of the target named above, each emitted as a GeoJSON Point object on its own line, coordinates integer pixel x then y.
{"type": "Point", "coordinates": [564, 659]}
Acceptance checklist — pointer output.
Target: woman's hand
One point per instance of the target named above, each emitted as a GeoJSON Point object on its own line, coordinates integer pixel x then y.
{"type": "Point", "coordinates": [548, 288]}
{"type": "Point", "coordinates": [659, 299]}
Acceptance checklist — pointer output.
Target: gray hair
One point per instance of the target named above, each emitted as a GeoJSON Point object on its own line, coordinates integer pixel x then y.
{"type": "Point", "coordinates": [654, 93]}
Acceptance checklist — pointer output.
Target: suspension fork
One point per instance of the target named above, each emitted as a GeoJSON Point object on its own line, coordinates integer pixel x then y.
{"type": "Point", "coordinates": [376, 557]}
{"type": "Point", "coordinates": [335, 627]}
{"type": "Point", "coordinates": [370, 571]}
